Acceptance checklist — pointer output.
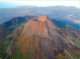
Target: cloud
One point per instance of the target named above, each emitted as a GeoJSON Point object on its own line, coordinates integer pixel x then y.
{"type": "Point", "coordinates": [77, 21]}
{"type": "Point", "coordinates": [39, 0]}
{"type": "Point", "coordinates": [45, 3]}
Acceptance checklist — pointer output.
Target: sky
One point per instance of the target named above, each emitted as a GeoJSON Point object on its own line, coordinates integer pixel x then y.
{"type": "Point", "coordinates": [40, 3]}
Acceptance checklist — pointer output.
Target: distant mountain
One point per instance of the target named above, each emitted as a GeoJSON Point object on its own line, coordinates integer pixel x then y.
{"type": "Point", "coordinates": [56, 12]}
{"type": "Point", "coordinates": [9, 26]}
{"type": "Point", "coordinates": [67, 24]}
{"type": "Point", "coordinates": [16, 21]}
{"type": "Point", "coordinates": [39, 38]}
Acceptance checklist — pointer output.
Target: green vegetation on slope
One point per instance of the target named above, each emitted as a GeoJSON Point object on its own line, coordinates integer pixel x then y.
{"type": "Point", "coordinates": [2, 51]}
{"type": "Point", "coordinates": [3, 46]}
{"type": "Point", "coordinates": [18, 55]}
{"type": "Point", "coordinates": [4, 41]}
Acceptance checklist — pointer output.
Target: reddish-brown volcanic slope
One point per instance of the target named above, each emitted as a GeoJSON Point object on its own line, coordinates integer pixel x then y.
{"type": "Point", "coordinates": [41, 27]}
{"type": "Point", "coordinates": [41, 39]}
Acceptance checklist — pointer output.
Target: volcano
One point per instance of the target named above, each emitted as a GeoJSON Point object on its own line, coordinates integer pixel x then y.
{"type": "Point", "coordinates": [39, 38]}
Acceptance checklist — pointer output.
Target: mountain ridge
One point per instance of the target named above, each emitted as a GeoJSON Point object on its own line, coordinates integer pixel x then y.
{"type": "Point", "coordinates": [45, 40]}
{"type": "Point", "coordinates": [41, 38]}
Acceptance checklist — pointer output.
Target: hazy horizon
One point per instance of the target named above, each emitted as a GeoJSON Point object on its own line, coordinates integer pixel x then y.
{"type": "Point", "coordinates": [18, 3]}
